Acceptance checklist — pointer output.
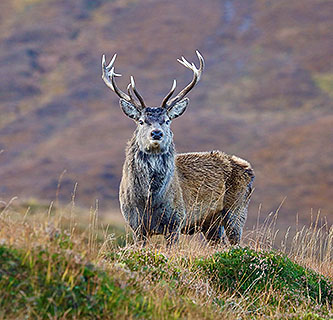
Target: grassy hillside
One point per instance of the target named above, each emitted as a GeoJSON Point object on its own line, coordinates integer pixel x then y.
{"type": "Point", "coordinates": [266, 93]}
{"type": "Point", "coordinates": [50, 268]}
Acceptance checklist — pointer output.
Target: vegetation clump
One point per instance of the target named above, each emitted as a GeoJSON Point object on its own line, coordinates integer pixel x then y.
{"type": "Point", "coordinates": [249, 272]}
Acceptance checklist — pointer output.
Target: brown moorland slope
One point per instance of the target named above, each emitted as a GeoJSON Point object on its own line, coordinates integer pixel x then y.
{"type": "Point", "coordinates": [266, 94]}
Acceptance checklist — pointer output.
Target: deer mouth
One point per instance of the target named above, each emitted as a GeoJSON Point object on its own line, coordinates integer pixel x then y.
{"type": "Point", "coordinates": [154, 147]}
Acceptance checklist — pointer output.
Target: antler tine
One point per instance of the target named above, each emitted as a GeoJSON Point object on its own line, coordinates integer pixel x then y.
{"type": "Point", "coordinates": [196, 77]}
{"type": "Point", "coordinates": [170, 93]}
{"type": "Point", "coordinates": [108, 75]}
{"type": "Point", "coordinates": [120, 93]}
{"type": "Point", "coordinates": [137, 93]}
{"type": "Point", "coordinates": [201, 64]}
{"type": "Point", "coordinates": [129, 91]}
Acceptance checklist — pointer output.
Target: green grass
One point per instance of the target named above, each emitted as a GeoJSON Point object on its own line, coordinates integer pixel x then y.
{"type": "Point", "coordinates": [48, 284]}
{"type": "Point", "coordinates": [49, 273]}
{"type": "Point", "coordinates": [246, 272]}
{"type": "Point", "coordinates": [54, 285]}
{"type": "Point", "coordinates": [51, 285]}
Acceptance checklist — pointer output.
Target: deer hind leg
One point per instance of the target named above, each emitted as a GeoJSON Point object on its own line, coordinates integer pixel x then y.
{"type": "Point", "coordinates": [233, 222]}
{"type": "Point", "coordinates": [214, 234]}
{"type": "Point", "coordinates": [213, 230]}
{"type": "Point", "coordinates": [234, 217]}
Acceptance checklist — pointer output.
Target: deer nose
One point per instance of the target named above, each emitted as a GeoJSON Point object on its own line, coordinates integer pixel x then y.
{"type": "Point", "coordinates": [157, 134]}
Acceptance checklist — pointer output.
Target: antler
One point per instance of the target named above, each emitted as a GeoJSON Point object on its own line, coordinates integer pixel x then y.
{"type": "Point", "coordinates": [196, 77]}
{"type": "Point", "coordinates": [108, 75]}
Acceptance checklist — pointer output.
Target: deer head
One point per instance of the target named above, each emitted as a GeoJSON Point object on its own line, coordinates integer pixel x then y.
{"type": "Point", "coordinates": [153, 131]}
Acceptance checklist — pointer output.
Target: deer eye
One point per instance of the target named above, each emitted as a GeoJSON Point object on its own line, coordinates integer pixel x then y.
{"type": "Point", "coordinates": [141, 122]}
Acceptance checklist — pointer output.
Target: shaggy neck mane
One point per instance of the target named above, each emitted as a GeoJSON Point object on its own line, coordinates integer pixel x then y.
{"type": "Point", "coordinates": [151, 172]}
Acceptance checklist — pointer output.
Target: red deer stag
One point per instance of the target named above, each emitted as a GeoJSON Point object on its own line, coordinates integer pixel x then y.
{"type": "Point", "coordinates": [162, 192]}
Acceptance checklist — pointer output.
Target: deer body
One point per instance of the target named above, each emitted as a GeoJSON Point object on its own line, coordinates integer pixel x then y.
{"type": "Point", "coordinates": [162, 192]}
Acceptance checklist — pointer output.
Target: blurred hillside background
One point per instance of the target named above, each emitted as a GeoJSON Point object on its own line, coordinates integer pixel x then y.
{"type": "Point", "coordinates": [266, 94]}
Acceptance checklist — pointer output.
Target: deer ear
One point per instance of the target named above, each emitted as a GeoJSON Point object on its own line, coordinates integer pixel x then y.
{"type": "Point", "coordinates": [178, 109]}
{"type": "Point", "coordinates": [129, 109]}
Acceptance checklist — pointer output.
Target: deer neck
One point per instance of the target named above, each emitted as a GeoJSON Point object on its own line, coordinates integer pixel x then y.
{"type": "Point", "coordinates": [150, 173]}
